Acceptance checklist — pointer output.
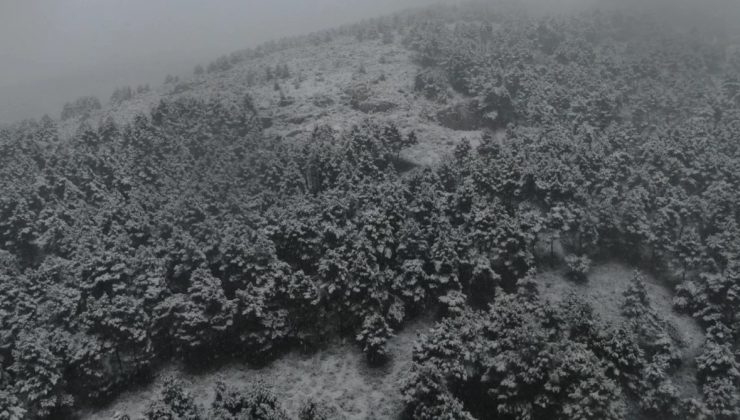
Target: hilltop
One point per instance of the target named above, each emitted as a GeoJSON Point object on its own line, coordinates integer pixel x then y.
{"type": "Point", "coordinates": [457, 212]}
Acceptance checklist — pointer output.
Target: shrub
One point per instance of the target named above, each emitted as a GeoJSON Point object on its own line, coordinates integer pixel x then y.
{"type": "Point", "coordinates": [313, 410]}
{"type": "Point", "coordinates": [221, 64]}
{"type": "Point", "coordinates": [578, 267]}
{"type": "Point", "coordinates": [373, 336]}
{"type": "Point", "coordinates": [636, 301]}
{"type": "Point", "coordinates": [174, 403]}
{"type": "Point", "coordinates": [256, 402]}
{"type": "Point", "coordinates": [81, 107]}
{"type": "Point", "coordinates": [433, 84]}
{"type": "Point", "coordinates": [10, 407]}
{"type": "Point", "coordinates": [121, 95]}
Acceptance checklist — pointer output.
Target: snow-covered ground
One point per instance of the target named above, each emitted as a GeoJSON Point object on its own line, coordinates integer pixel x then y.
{"type": "Point", "coordinates": [604, 291]}
{"type": "Point", "coordinates": [337, 375]}
{"type": "Point", "coordinates": [322, 80]}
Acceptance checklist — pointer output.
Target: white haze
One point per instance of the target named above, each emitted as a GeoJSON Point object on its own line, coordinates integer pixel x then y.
{"type": "Point", "coordinates": [52, 51]}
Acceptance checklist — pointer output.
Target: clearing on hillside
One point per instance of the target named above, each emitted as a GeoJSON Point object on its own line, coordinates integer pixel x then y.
{"type": "Point", "coordinates": [604, 291]}
{"type": "Point", "coordinates": [338, 375]}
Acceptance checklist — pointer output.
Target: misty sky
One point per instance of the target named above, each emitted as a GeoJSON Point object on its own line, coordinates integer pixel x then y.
{"type": "Point", "coordinates": [52, 51]}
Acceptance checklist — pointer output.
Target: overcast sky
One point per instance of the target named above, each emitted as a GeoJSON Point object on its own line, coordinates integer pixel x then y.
{"type": "Point", "coordinates": [52, 51]}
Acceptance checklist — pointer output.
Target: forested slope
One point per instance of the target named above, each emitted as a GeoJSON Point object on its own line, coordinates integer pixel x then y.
{"type": "Point", "coordinates": [198, 221]}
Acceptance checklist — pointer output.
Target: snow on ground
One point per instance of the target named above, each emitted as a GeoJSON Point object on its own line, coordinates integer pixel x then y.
{"type": "Point", "coordinates": [337, 374]}
{"type": "Point", "coordinates": [320, 92]}
{"type": "Point", "coordinates": [319, 89]}
{"type": "Point", "coordinates": [333, 72]}
{"type": "Point", "coordinates": [605, 289]}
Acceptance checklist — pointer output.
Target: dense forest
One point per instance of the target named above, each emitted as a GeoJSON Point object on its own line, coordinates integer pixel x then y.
{"type": "Point", "coordinates": [187, 233]}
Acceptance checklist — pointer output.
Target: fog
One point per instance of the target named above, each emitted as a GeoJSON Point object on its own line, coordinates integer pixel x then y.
{"type": "Point", "coordinates": [52, 51]}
